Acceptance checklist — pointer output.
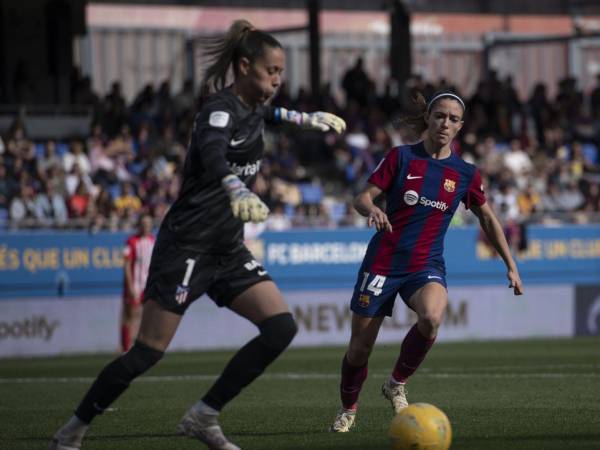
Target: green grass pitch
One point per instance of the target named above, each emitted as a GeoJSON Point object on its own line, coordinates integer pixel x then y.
{"type": "Point", "coordinates": [528, 394]}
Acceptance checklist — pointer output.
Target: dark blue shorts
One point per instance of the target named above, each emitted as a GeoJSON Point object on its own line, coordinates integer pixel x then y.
{"type": "Point", "coordinates": [374, 295]}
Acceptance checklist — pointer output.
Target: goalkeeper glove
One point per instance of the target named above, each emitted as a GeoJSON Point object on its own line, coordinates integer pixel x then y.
{"type": "Point", "coordinates": [319, 120]}
{"type": "Point", "coordinates": [245, 205]}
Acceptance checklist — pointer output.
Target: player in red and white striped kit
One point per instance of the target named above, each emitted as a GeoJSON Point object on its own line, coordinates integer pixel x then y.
{"type": "Point", "coordinates": [136, 255]}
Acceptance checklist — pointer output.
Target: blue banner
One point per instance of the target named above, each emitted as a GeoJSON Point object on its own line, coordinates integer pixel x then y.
{"type": "Point", "coordinates": [60, 263]}
{"type": "Point", "coordinates": [331, 259]}
{"type": "Point", "coordinates": [79, 263]}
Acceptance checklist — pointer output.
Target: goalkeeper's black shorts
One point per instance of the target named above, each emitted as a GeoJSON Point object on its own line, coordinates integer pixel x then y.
{"type": "Point", "coordinates": [178, 276]}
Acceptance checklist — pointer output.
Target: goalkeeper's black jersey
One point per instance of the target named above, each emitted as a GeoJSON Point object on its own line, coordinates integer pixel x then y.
{"type": "Point", "coordinates": [227, 138]}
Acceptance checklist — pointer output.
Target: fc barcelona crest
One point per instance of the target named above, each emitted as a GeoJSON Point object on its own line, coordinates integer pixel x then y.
{"type": "Point", "coordinates": [449, 185]}
{"type": "Point", "coordinates": [364, 300]}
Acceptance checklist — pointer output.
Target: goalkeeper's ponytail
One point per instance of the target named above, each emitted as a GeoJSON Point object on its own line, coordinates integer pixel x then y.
{"type": "Point", "coordinates": [242, 40]}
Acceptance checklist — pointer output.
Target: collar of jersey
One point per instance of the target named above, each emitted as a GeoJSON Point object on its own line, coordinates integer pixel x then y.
{"type": "Point", "coordinates": [420, 148]}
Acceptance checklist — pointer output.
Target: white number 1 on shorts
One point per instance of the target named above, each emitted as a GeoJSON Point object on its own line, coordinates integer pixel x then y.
{"type": "Point", "coordinates": [188, 272]}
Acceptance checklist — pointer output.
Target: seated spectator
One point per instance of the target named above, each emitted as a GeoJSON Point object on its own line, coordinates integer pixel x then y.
{"type": "Point", "coordinates": [48, 159]}
{"type": "Point", "coordinates": [127, 202]}
{"type": "Point", "coordinates": [570, 198]}
{"type": "Point", "coordinates": [300, 217]}
{"type": "Point", "coordinates": [506, 200]}
{"type": "Point", "coordinates": [104, 203]}
{"type": "Point", "coordinates": [518, 162]}
{"type": "Point", "coordinates": [56, 177]}
{"type": "Point", "coordinates": [22, 207]}
{"type": "Point", "coordinates": [168, 147]}
{"type": "Point", "coordinates": [101, 160]}
{"type": "Point", "coordinates": [351, 217]}
{"type": "Point", "coordinates": [16, 134]}
{"type": "Point", "coordinates": [278, 220]}
{"type": "Point", "coordinates": [77, 176]}
{"type": "Point", "coordinates": [50, 207]}
{"type": "Point", "coordinates": [78, 202]}
{"type": "Point", "coordinates": [8, 186]}
{"type": "Point", "coordinates": [529, 202]}
{"type": "Point", "coordinates": [579, 164]}
{"type": "Point", "coordinates": [318, 216]}
{"type": "Point", "coordinates": [121, 150]}
{"type": "Point", "coordinates": [76, 156]}
{"type": "Point", "coordinates": [29, 158]}
{"type": "Point", "coordinates": [550, 202]}
{"type": "Point", "coordinates": [592, 199]}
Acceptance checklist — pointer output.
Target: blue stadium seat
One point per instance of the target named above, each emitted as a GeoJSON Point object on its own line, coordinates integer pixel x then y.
{"type": "Point", "coordinates": [289, 210]}
{"type": "Point", "coordinates": [115, 190]}
{"type": "Point", "coordinates": [590, 152]}
{"type": "Point", "coordinates": [311, 193]}
{"type": "Point", "coordinates": [40, 148]}
{"type": "Point", "coordinates": [61, 148]}
{"type": "Point", "coordinates": [502, 147]}
{"type": "Point", "coordinates": [338, 211]}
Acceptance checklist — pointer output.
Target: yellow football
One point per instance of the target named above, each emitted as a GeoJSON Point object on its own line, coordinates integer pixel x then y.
{"type": "Point", "coordinates": [420, 426]}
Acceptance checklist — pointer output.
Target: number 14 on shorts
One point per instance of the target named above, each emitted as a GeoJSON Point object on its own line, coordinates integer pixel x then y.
{"type": "Point", "coordinates": [376, 284]}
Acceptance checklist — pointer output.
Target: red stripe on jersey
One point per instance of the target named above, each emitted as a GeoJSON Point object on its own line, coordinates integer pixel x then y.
{"type": "Point", "coordinates": [475, 194]}
{"type": "Point", "coordinates": [431, 228]}
{"type": "Point", "coordinates": [385, 173]}
{"type": "Point", "coordinates": [387, 247]}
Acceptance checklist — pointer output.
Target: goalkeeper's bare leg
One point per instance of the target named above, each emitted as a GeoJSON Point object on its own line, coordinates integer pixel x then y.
{"type": "Point", "coordinates": [264, 306]}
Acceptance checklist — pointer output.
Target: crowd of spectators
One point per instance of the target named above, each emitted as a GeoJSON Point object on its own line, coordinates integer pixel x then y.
{"type": "Point", "coordinates": [539, 156]}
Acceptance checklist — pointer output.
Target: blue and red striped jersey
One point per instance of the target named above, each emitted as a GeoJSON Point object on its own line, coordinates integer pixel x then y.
{"type": "Point", "coordinates": [422, 195]}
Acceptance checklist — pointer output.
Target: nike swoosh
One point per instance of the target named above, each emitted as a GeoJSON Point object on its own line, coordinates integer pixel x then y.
{"type": "Point", "coordinates": [236, 142]}
{"type": "Point", "coordinates": [433, 276]}
{"type": "Point", "coordinates": [261, 273]}
{"type": "Point", "coordinates": [412, 177]}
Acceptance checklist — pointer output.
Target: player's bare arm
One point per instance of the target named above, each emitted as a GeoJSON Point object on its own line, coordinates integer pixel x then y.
{"type": "Point", "coordinates": [493, 230]}
{"type": "Point", "coordinates": [130, 289]}
{"type": "Point", "coordinates": [364, 204]}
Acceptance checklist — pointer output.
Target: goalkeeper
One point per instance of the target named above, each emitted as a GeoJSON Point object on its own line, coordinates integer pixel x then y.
{"type": "Point", "coordinates": [199, 248]}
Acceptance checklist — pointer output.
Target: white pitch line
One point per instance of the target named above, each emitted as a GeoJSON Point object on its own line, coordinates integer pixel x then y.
{"type": "Point", "coordinates": [303, 376]}
{"type": "Point", "coordinates": [535, 367]}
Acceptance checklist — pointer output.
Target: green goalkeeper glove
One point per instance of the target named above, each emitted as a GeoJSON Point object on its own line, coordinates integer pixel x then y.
{"type": "Point", "coordinates": [245, 205]}
{"type": "Point", "coordinates": [319, 120]}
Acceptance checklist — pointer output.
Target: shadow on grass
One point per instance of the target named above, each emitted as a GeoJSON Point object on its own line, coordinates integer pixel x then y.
{"type": "Point", "coordinates": [100, 437]}
{"type": "Point", "coordinates": [581, 437]}
{"type": "Point", "coordinates": [548, 442]}
{"type": "Point", "coordinates": [351, 446]}
{"type": "Point", "coordinates": [276, 433]}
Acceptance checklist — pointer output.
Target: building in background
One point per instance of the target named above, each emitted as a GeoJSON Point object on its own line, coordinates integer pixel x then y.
{"type": "Point", "coordinates": [152, 43]}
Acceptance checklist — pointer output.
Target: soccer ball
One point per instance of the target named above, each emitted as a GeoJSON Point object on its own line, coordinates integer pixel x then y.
{"type": "Point", "coordinates": [420, 426]}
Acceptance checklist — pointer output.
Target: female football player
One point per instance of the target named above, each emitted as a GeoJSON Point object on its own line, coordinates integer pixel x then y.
{"type": "Point", "coordinates": [199, 248]}
{"type": "Point", "coordinates": [136, 255]}
{"type": "Point", "coordinates": [423, 186]}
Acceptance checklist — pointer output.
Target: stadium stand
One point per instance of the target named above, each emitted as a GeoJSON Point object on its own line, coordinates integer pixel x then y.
{"type": "Point", "coordinates": [539, 157]}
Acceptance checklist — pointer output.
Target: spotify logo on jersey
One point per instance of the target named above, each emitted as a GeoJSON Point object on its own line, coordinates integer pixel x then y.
{"type": "Point", "coordinates": [411, 197]}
